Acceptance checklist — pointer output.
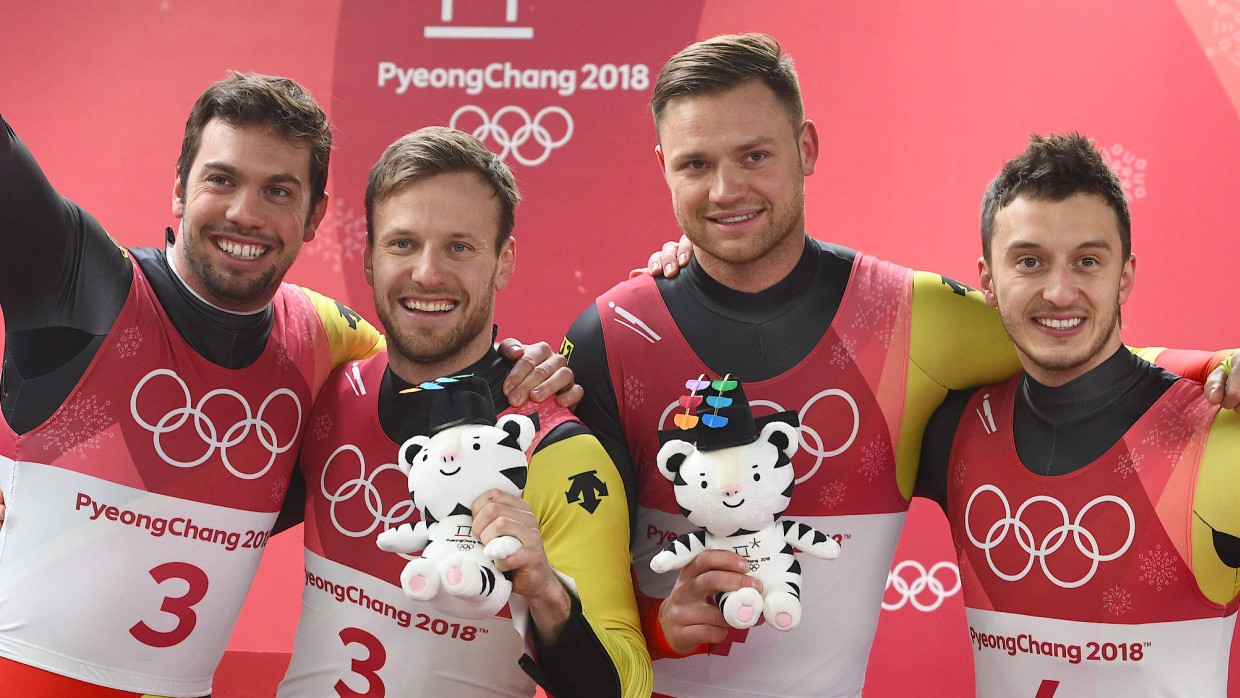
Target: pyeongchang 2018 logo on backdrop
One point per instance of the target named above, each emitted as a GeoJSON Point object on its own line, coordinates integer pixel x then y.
{"type": "Point", "coordinates": [1067, 546]}
{"type": "Point", "coordinates": [488, 51]}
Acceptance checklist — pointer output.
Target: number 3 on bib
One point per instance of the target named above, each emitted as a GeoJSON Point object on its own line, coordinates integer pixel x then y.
{"type": "Point", "coordinates": [180, 606]}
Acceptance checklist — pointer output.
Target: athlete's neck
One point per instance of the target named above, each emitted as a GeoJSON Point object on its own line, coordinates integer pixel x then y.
{"type": "Point", "coordinates": [402, 415]}
{"type": "Point", "coordinates": [415, 372]}
{"type": "Point", "coordinates": [1085, 395]}
{"type": "Point", "coordinates": [759, 274]}
{"type": "Point", "coordinates": [170, 251]}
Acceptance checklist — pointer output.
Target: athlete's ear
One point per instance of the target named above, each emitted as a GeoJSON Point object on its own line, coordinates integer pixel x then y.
{"type": "Point", "coordinates": [316, 217]}
{"type": "Point", "coordinates": [808, 144]}
{"type": "Point", "coordinates": [507, 263]}
{"type": "Point", "coordinates": [658, 153]}
{"type": "Point", "coordinates": [368, 268]}
{"type": "Point", "coordinates": [1127, 279]}
{"type": "Point", "coordinates": [986, 283]}
{"type": "Point", "coordinates": [178, 196]}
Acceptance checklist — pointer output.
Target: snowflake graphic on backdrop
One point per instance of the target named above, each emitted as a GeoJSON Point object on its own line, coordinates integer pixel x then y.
{"type": "Point", "coordinates": [832, 494]}
{"type": "Point", "coordinates": [634, 392]}
{"type": "Point", "coordinates": [128, 342]}
{"type": "Point", "coordinates": [844, 352]}
{"type": "Point", "coordinates": [874, 458]}
{"type": "Point", "coordinates": [81, 423]}
{"type": "Point", "coordinates": [1129, 464]}
{"type": "Point", "coordinates": [1159, 568]}
{"type": "Point", "coordinates": [1128, 167]}
{"type": "Point", "coordinates": [322, 426]}
{"type": "Point", "coordinates": [341, 238]}
{"type": "Point", "coordinates": [1116, 601]}
{"type": "Point", "coordinates": [1225, 29]}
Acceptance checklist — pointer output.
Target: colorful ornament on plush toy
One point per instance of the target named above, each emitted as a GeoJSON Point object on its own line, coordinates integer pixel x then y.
{"type": "Point", "coordinates": [466, 453]}
{"type": "Point", "coordinates": [732, 476]}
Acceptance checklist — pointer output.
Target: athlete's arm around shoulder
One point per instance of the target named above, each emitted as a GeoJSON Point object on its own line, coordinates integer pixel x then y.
{"type": "Point", "coordinates": [580, 502]}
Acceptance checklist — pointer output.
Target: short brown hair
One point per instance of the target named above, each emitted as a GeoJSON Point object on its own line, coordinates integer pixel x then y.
{"type": "Point", "coordinates": [437, 150]}
{"type": "Point", "coordinates": [251, 99]}
{"type": "Point", "coordinates": [1052, 169]}
{"type": "Point", "coordinates": [726, 62]}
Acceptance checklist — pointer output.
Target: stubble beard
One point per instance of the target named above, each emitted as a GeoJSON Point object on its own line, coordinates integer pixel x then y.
{"type": "Point", "coordinates": [789, 222]}
{"type": "Point", "coordinates": [1054, 360]}
{"type": "Point", "coordinates": [232, 291]}
{"type": "Point", "coordinates": [430, 349]}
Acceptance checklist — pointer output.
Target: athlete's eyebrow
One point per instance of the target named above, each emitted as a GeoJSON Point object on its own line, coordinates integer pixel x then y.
{"type": "Point", "coordinates": [232, 171]}
{"type": "Point", "coordinates": [1029, 245]}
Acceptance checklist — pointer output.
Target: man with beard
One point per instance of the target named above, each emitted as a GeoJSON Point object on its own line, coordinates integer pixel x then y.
{"type": "Point", "coordinates": [862, 349]}
{"type": "Point", "coordinates": [153, 399]}
{"type": "Point", "coordinates": [1091, 497]}
{"type": "Point", "coordinates": [440, 211]}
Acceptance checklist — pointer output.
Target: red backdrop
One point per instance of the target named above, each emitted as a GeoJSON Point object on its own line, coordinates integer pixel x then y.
{"type": "Point", "coordinates": [917, 105]}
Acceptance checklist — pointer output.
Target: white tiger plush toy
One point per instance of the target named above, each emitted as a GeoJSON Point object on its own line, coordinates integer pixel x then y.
{"type": "Point", "coordinates": [737, 492]}
{"type": "Point", "coordinates": [447, 472]}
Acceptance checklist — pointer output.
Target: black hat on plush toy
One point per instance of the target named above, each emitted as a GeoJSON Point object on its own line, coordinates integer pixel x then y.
{"type": "Point", "coordinates": [456, 400]}
{"type": "Point", "coordinates": [717, 415]}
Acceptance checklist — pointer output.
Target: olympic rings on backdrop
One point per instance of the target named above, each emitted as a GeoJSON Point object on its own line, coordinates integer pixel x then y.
{"type": "Point", "coordinates": [511, 141]}
{"type": "Point", "coordinates": [925, 581]}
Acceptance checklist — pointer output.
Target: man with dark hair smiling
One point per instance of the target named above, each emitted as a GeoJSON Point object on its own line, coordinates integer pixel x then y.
{"type": "Point", "coordinates": [1092, 498]}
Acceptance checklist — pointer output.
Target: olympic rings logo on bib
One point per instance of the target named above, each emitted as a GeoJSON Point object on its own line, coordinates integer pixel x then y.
{"type": "Point", "coordinates": [250, 428]}
{"type": "Point", "coordinates": [511, 141]}
{"type": "Point", "coordinates": [925, 581]}
{"type": "Point", "coordinates": [346, 495]}
{"type": "Point", "coordinates": [1085, 541]}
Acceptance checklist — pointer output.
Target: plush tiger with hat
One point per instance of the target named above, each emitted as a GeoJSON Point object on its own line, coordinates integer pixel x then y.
{"type": "Point", "coordinates": [732, 475]}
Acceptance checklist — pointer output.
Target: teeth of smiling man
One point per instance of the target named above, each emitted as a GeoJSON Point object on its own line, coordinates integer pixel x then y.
{"type": "Point", "coordinates": [1059, 324]}
{"type": "Point", "coordinates": [241, 251]}
{"type": "Point", "coordinates": [737, 219]}
{"type": "Point", "coordinates": [430, 306]}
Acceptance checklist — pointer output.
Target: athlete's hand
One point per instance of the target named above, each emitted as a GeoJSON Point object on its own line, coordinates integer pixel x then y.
{"type": "Point", "coordinates": [538, 374]}
{"type": "Point", "coordinates": [668, 260]}
{"type": "Point", "coordinates": [689, 615]}
{"type": "Point", "coordinates": [1, 509]}
{"type": "Point", "coordinates": [499, 514]}
{"type": "Point", "coordinates": [1223, 384]}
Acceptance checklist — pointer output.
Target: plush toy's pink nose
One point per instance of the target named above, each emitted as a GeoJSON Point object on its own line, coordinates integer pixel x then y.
{"type": "Point", "coordinates": [449, 456]}
{"type": "Point", "coordinates": [731, 491]}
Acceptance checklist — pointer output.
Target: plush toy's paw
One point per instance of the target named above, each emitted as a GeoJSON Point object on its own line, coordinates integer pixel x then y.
{"type": "Point", "coordinates": [827, 549]}
{"type": "Point", "coordinates": [741, 608]}
{"type": "Point", "coordinates": [782, 610]}
{"type": "Point", "coordinates": [420, 580]}
{"type": "Point", "coordinates": [384, 540]}
{"type": "Point", "coordinates": [462, 576]}
{"type": "Point", "coordinates": [663, 562]}
{"type": "Point", "coordinates": [502, 547]}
